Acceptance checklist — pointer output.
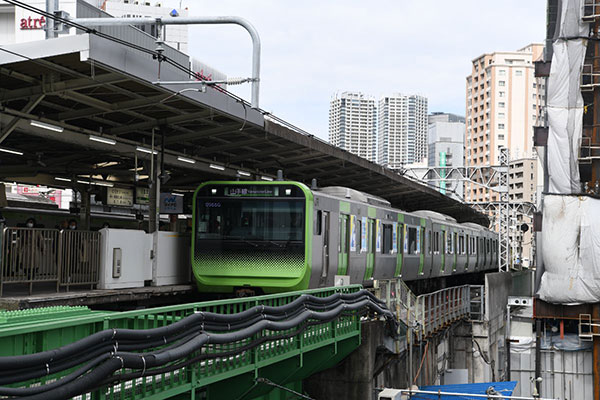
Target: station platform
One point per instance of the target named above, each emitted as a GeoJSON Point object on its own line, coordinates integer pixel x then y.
{"type": "Point", "coordinates": [104, 298]}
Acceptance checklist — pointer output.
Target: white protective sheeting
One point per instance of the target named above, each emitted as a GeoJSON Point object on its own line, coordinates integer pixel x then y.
{"type": "Point", "coordinates": [571, 250]}
{"type": "Point", "coordinates": [565, 103]}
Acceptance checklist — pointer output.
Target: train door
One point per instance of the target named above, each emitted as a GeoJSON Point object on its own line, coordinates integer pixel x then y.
{"type": "Point", "coordinates": [371, 238]}
{"type": "Point", "coordinates": [343, 245]}
{"type": "Point", "coordinates": [443, 251]}
{"type": "Point", "coordinates": [325, 222]}
{"type": "Point", "coordinates": [429, 251]}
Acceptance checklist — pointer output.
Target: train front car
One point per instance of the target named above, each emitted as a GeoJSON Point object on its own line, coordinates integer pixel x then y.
{"type": "Point", "coordinates": [252, 237]}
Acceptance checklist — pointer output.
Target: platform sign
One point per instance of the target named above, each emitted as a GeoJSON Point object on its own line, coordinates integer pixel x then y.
{"type": "Point", "coordinates": [119, 197]}
{"type": "Point", "coordinates": [171, 204]}
{"type": "Point", "coordinates": [352, 233]}
{"type": "Point", "coordinates": [142, 195]}
{"type": "Point", "coordinates": [394, 237]}
{"type": "Point", "coordinates": [378, 233]}
{"type": "Point", "coordinates": [363, 235]}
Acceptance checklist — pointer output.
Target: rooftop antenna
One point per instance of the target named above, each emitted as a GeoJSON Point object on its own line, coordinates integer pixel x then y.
{"type": "Point", "coordinates": [313, 184]}
{"type": "Point", "coordinates": [279, 175]}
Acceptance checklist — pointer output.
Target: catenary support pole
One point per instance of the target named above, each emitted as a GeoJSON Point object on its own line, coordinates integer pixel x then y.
{"type": "Point", "coordinates": [97, 22]}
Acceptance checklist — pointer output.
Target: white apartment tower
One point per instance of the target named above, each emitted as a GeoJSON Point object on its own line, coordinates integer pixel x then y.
{"type": "Point", "coordinates": [402, 134]}
{"type": "Point", "coordinates": [504, 100]}
{"type": "Point", "coordinates": [352, 123]}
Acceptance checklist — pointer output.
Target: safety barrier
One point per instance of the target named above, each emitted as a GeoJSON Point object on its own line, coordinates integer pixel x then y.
{"type": "Point", "coordinates": [36, 255]}
{"type": "Point", "coordinates": [229, 370]}
{"type": "Point", "coordinates": [439, 309]}
{"type": "Point", "coordinates": [398, 298]}
{"type": "Point", "coordinates": [427, 313]}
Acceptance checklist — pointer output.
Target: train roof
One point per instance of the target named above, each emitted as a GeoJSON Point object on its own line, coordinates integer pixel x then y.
{"type": "Point", "coordinates": [434, 215]}
{"type": "Point", "coordinates": [356, 195]}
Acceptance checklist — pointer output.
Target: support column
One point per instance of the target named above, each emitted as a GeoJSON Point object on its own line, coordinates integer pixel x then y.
{"type": "Point", "coordinates": [85, 214]}
{"type": "Point", "coordinates": [538, 355]}
{"type": "Point", "coordinates": [596, 351]}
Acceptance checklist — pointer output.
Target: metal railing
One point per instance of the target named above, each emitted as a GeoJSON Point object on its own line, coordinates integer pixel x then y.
{"type": "Point", "coordinates": [35, 255]}
{"type": "Point", "coordinates": [439, 309]}
{"type": "Point", "coordinates": [80, 258]}
{"type": "Point", "coordinates": [427, 313]}
{"type": "Point", "coordinates": [311, 348]}
{"type": "Point", "coordinates": [398, 298]}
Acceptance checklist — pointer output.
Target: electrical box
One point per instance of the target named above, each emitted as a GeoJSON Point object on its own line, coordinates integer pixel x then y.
{"type": "Point", "coordinates": [117, 260]}
{"type": "Point", "coordinates": [342, 280]}
{"type": "Point", "coordinates": [390, 394]}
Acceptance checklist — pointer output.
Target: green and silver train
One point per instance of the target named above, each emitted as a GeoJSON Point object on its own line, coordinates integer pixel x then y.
{"type": "Point", "coordinates": [281, 236]}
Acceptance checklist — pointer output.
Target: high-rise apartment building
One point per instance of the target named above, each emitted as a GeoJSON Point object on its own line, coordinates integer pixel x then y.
{"type": "Point", "coordinates": [402, 130]}
{"type": "Point", "coordinates": [352, 124]}
{"type": "Point", "coordinates": [503, 102]}
{"type": "Point", "coordinates": [446, 138]}
{"type": "Point", "coordinates": [522, 187]}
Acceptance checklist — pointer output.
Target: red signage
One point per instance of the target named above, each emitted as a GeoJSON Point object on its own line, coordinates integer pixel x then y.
{"type": "Point", "coordinates": [33, 23]}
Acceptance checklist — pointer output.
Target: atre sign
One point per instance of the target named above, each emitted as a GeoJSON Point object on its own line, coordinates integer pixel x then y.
{"type": "Point", "coordinates": [33, 23]}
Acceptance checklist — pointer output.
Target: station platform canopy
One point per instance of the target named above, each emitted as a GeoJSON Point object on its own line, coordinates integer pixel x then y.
{"type": "Point", "coordinates": [82, 109]}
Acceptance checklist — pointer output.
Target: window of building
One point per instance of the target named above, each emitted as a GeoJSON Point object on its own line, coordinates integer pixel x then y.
{"type": "Point", "coordinates": [534, 85]}
{"type": "Point", "coordinates": [500, 94]}
{"type": "Point", "coordinates": [500, 137]}
{"type": "Point", "coordinates": [501, 104]}
{"type": "Point", "coordinates": [518, 73]}
{"type": "Point", "coordinates": [500, 126]}
{"type": "Point", "coordinates": [501, 83]}
{"type": "Point", "coordinates": [500, 115]}
{"type": "Point", "coordinates": [502, 72]}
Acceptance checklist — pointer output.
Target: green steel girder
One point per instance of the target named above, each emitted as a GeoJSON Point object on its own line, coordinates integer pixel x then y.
{"type": "Point", "coordinates": [285, 362]}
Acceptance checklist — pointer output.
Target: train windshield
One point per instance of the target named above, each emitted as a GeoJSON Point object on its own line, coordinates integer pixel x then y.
{"type": "Point", "coordinates": [279, 222]}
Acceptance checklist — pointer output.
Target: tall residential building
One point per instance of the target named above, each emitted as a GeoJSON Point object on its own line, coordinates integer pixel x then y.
{"type": "Point", "coordinates": [402, 133]}
{"type": "Point", "coordinates": [503, 102]}
{"type": "Point", "coordinates": [446, 138]}
{"type": "Point", "coordinates": [522, 187]}
{"type": "Point", "coordinates": [352, 124]}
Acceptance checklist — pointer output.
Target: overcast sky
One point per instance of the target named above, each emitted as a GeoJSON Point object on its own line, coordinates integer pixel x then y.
{"type": "Point", "coordinates": [313, 49]}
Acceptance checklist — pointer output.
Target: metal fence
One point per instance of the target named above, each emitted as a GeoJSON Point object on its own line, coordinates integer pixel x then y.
{"type": "Point", "coordinates": [34, 255]}
{"type": "Point", "coordinates": [439, 309]}
{"type": "Point", "coordinates": [428, 313]}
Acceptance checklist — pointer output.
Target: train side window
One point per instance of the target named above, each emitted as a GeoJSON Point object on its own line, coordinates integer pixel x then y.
{"type": "Point", "coordinates": [358, 235]}
{"type": "Point", "coordinates": [436, 242]}
{"type": "Point", "coordinates": [412, 240]}
{"type": "Point", "coordinates": [429, 249]}
{"type": "Point", "coordinates": [449, 243]}
{"type": "Point", "coordinates": [319, 223]}
{"type": "Point", "coordinates": [387, 239]}
{"type": "Point", "coordinates": [401, 238]}
{"type": "Point", "coordinates": [461, 244]}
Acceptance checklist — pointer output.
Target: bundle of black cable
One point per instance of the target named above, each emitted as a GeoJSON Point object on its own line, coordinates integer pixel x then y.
{"type": "Point", "coordinates": [156, 351]}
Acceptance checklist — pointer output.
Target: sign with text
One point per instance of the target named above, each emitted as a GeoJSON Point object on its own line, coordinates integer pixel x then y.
{"type": "Point", "coordinates": [30, 23]}
{"type": "Point", "coordinates": [142, 195]}
{"type": "Point", "coordinates": [171, 204]}
{"type": "Point", "coordinates": [119, 197]}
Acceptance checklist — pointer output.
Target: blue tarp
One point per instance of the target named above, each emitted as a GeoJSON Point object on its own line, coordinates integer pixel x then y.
{"type": "Point", "coordinates": [502, 388]}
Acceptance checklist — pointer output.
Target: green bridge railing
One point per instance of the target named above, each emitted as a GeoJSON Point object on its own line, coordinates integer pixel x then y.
{"type": "Point", "coordinates": [234, 376]}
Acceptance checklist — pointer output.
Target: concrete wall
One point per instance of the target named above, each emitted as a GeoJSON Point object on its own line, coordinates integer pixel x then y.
{"type": "Point", "coordinates": [353, 379]}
